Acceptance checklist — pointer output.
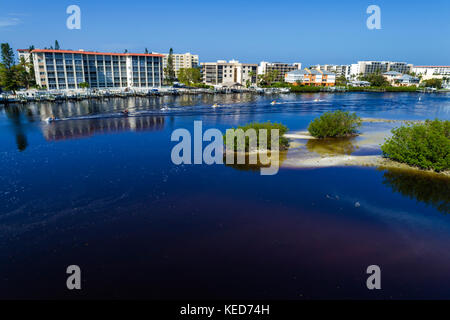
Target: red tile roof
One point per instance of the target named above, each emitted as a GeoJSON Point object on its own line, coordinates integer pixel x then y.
{"type": "Point", "coordinates": [98, 53]}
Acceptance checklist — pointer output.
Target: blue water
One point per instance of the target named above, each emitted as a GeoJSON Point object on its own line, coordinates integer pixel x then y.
{"type": "Point", "coordinates": [99, 190]}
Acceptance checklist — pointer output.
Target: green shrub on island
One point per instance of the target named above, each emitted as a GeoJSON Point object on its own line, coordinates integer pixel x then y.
{"type": "Point", "coordinates": [283, 142]}
{"type": "Point", "coordinates": [336, 124]}
{"type": "Point", "coordinates": [424, 145]}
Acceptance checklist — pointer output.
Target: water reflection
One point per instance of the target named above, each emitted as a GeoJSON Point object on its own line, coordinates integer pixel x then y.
{"type": "Point", "coordinates": [424, 187]}
{"type": "Point", "coordinates": [14, 114]}
{"type": "Point", "coordinates": [332, 147]}
{"type": "Point", "coordinates": [257, 166]}
{"type": "Point", "coordinates": [87, 127]}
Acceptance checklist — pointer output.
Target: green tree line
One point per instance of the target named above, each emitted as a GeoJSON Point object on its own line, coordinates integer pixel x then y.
{"type": "Point", "coordinates": [14, 76]}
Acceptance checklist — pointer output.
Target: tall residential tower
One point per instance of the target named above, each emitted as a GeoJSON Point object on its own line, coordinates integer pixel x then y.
{"type": "Point", "coordinates": [66, 69]}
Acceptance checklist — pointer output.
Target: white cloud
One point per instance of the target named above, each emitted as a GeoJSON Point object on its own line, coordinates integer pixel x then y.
{"type": "Point", "coordinates": [8, 22]}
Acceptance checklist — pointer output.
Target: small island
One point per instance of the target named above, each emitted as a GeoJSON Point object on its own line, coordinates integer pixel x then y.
{"type": "Point", "coordinates": [334, 137]}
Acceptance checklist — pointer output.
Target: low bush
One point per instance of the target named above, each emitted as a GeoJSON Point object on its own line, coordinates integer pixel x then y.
{"type": "Point", "coordinates": [424, 145]}
{"type": "Point", "coordinates": [335, 124]}
{"type": "Point", "coordinates": [295, 88]}
{"type": "Point", "coordinates": [382, 89]}
{"type": "Point", "coordinates": [201, 85]}
{"type": "Point", "coordinates": [283, 142]}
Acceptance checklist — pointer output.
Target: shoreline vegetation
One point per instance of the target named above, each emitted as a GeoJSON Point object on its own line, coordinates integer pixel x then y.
{"type": "Point", "coordinates": [254, 130]}
{"type": "Point", "coordinates": [335, 124]}
{"type": "Point", "coordinates": [85, 93]}
{"type": "Point", "coordinates": [425, 145]}
{"type": "Point", "coordinates": [420, 146]}
{"type": "Point", "coordinates": [325, 150]}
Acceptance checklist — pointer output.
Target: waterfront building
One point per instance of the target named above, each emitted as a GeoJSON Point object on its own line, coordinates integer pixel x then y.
{"type": "Point", "coordinates": [434, 72]}
{"type": "Point", "coordinates": [25, 54]}
{"type": "Point", "coordinates": [311, 77]}
{"type": "Point", "coordinates": [67, 69]}
{"type": "Point", "coordinates": [181, 61]}
{"type": "Point", "coordinates": [354, 71]}
{"type": "Point", "coordinates": [229, 73]}
{"type": "Point", "coordinates": [338, 70]}
{"type": "Point", "coordinates": [392, 76]}
{"type": "Point", "coordinates": [407, 80]}
{"type": "Point", "coordinates": [369, 67]}
{"type": "Point", "coordinates": [282, 68]}
{"type": "Point", "coordinates": [399, 79]}
{"type": "Point", "coordinates": [430, 71]}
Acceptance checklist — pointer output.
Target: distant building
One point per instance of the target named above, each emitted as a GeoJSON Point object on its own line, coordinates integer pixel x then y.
{"type": "Point", "coordinates": [25, 54]}
{"type": "Point", "coordinates": [311, 77]}
{"type": "Point", "coordinates": [430, 71]}
{"type": "Point", "coordinates": [229, 73]}
{"type": "Point", "coordinates": [369, 67]}
{"type": "Point", "coordinates": [181, 61]}
{"type": "Point", "coordinates": [354, 71]}
{"type": "Point", "coordinates": [338, 70]}
{"type": "Point", "coordinates": [66, 69]}
{"type": "Point", "coordinates": [398, 79]}
{"type": "Point", "coordinates": [407, 80]}
{"type": "Point", "coordinates": [391, 76]}
{"type": "Point", "coordinates": [357, 83]}
{"type": "Point", "coordinates": [434, 72]}
{"type": "Point", "coordinates": [282, 68]}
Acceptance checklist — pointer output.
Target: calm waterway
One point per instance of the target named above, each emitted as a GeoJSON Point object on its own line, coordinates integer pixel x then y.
{"type": "Point", "coordinates": [99, 190]}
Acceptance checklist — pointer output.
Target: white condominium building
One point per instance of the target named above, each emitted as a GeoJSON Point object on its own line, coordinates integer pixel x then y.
{"type": "Point", "coordinates": [229, 73]}
{"type": "Point", "coordinates": [354, 70]}
{"type": "Point", "coordinates": [429, 72]}
{"type": "Point", "coordinates": [282, 68]}
{"type": "Point", "coordinates": [181, 60]}
{"type": "Point", "coordinates": [368, 67]}
{"type": "Point", "coordinates": [66, 69]}
{"type": "Point", "coordinates": [434, 72]}
{"type": "Point", "coordinates": [25, 54]}
{"type": "Point", "coordinates": [338, 70]}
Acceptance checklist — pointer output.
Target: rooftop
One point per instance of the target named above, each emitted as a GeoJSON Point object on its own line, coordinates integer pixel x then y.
{"type": "Point", "coordinates": [310, 71]}
{"type": "Point", "coordinates": [431, 66]}
{"type": "Point", "coordinates": [96, 53]}
{"type": "Point", "coordinates": [408, 77]}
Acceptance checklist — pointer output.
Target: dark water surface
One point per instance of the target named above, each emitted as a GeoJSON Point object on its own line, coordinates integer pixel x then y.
{"type": "Point", "coordinates": [99, 190]}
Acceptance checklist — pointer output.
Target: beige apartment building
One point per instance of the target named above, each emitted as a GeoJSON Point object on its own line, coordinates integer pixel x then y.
{"type": "Point", "coordinates": [229, 73]}
{"type": "Point", "coordinates": [338, 70]}
{"type": "Point", "coordinates": [280, 67]}
{"type": "Point", "coordinates": [181, 61]}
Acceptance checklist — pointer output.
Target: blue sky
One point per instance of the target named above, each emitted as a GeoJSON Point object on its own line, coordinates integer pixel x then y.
{"type": "Point", "coordinates": [311, 32]}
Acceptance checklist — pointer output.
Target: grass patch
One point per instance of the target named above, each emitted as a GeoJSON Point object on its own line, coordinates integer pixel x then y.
{"type": "Point", "coordinates": [336, 124]}
{"type": "Point", "coordinates": [424, 145]}
{"type": "Point", "coordinates": [269, 126]}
